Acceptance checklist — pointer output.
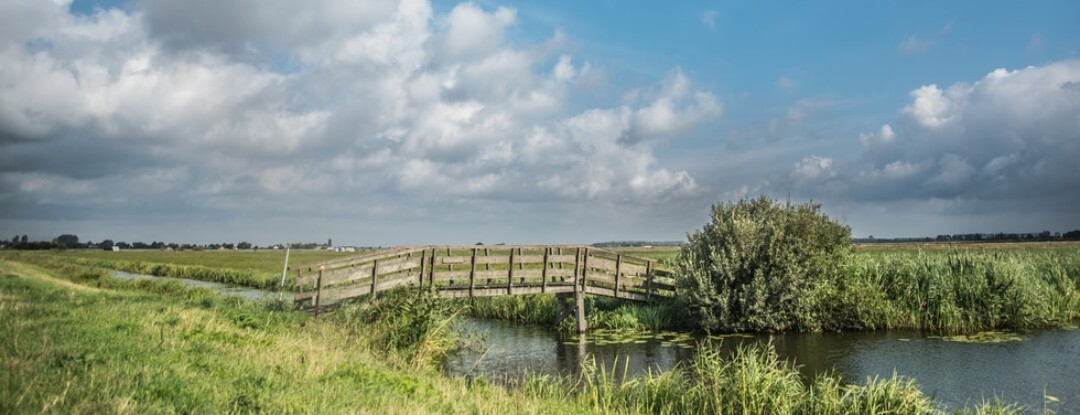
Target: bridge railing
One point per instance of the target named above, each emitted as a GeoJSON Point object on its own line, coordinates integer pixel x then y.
{"type": "Point", "coordinates": [482, 271]}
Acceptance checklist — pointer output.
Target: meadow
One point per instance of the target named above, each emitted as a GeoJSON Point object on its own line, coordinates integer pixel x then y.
{"type": "Point", "coordinates": [949, 288]}
{"type": "Point", "coordinates": [80, 342]}
{"type": "Point", "coordinates": [259, 269]}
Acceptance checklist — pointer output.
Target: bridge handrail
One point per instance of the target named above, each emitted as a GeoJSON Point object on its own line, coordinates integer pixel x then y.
{"type": "Point", "coordinates": [515, 267]}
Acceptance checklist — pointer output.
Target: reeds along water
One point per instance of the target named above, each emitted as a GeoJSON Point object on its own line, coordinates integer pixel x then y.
{"type": "Point", "coordinates": [752, 380]}
{"type": "Point", "coordinates": [957, 292]}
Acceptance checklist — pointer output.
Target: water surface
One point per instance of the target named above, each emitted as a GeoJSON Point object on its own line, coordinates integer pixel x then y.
{"type": "Point", "coordinates": [953, 373]}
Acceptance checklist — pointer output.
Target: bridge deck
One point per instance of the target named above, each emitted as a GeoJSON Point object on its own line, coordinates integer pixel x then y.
{"type": "Point", "coordinates": [485, 271]}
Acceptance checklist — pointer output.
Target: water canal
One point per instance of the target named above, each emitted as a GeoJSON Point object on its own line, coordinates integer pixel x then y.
{"type": "Point", "coordinates": [1041, 363]}
{"type": "Point", "coordinates": [953, 372]}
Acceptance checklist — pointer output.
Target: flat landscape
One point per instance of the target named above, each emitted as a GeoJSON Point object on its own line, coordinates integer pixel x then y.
{"type": "Point", "coordinates": [83, 342]}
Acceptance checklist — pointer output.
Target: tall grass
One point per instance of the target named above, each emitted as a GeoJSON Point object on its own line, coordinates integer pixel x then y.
{"type": "Point", "coordinates": [753, 380]}
{"type": "Point", "coordinates": [964, 292]}
{"type": "Point", "coordinates": [412, 322]}
{"type": "Point", "coordinates": [601, 312]}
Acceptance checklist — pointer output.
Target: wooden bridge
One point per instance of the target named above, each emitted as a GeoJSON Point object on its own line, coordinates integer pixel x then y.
{"type": "Point", "coordinates": [570, 272]}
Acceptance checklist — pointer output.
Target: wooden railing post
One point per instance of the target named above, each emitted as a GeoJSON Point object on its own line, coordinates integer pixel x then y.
{"type": "Point", "coordinates": [577, 269]}
{"type": "Point", "coordinates": [318, 291]}
{"type": "Point", "coordinates": [543, 272]}
{"type": "Point", "coordinates": [374, 277]}
{"type": "Point", "coordinates": [431, 270]}
{"type": "Point", "coordinates": [579, 296]}
{"type": "Point", "coordinates": [648, 280]}
{"type": "Point", "coordinates": [521, 266]}
{"type": "Point", "coordinates": [510, 274]}
{"type": "Point", "coordinates": [472, 274]}
{"type": "Point", "coordinates": [450, 265]}
{"type": "Point", "coordinates": [487, 265]}
{"type": "Point", "coordinates": [562, 277]}
{"type": "Point", "coordinates": [618, 267]}
{"type": "Point", "coordinates": [423, 266]}
{"type": "Point", "coordinates": [584, 268]}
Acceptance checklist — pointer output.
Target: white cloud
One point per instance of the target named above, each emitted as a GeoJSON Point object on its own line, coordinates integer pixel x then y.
{"type": "Point", "coordinates": [1010, 136]}
{"type": "Point", "coordinates": [883, 136]}
{"type": "Point", "coordinates": [813, 169]}
{"type": "Point", "coordinates": [674, 110]}
{"type": "Point", "coordinates": [930, 106]}
{"type": "Point", "coordinates": [914, 44]}
{"type": "Point", "coordinates": [708, 18]}
{"type": "Point", "coordinates": [787, 84]}
{"type": "Point", "coordinates": [392, 109]}
{"type": "Point", "coordinates": [564, 70]}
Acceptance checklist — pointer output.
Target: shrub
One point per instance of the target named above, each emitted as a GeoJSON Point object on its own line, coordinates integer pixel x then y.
{"type": "Point", "coordinates": [758, 264]}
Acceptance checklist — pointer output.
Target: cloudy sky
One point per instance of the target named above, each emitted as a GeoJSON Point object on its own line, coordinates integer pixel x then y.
{"type": "Point", "coordinates": [413, 122]}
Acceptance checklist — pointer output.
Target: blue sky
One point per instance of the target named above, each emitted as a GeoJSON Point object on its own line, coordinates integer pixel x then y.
{"type": "Point", "coordinates": [406, 122]}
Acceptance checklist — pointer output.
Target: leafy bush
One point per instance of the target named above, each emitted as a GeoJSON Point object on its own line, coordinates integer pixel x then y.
{"type": "Point", "coordinates": [758, 264]}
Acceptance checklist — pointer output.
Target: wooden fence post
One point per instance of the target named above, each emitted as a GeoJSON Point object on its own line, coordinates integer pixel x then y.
{"type": "Point", "coordinates": [472, 274]}
{"type": "Point", "coordinates": [562, 278]}
{"type": "Point", "coordinates": [618, 267]}
{"type": "Point", "coordinates": [577, 269]}
{"type": "Point", "coordinates": [423, 266]}
{"type": "Point", "coordinates": [584, 268]}
{"type": "Point", "coordinates": [543, 271]}
{"type": "Point", "coordinates": [510, 274]}
{"type": "Point", "coordinates": [374, 277]}
{"type": "Point", "coordinates": [487, 265]}
{"type": "Point", "coordinates": [648, 280]}
{"type": "Point", "coordinates": [318, 291]}
{"type": "Point", "coordinates": [579, 296]}
{"type": "Point", "coordinates": [431, 270]}
{"type": "Point", "coordinates": [450, 265]}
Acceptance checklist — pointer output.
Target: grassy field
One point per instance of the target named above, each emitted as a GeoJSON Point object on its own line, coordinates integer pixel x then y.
{"type": "Point", "coordinates": [261, 269]}
{"type": "Point", "coordinates": [263, 260]}
{"type": "Point", "coordinates": [77, 341]}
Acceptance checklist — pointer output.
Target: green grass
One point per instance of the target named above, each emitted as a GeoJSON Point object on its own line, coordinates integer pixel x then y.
{"type": "Point", "coordinates": [77, 341]}
{"type": "Point", "coordinates": [260, 269]}
{"type": "Point", "coordinates": [263, 260]}
{"type": "Point", "coordinates": [106, 346]}
{"type": "Point", "coordinates": [963, 291]}
{"type": "Point", "coordinates": [601, 312]}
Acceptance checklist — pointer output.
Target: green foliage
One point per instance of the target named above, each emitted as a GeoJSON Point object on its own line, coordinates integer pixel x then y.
{"type": "Point", "coordinates": [964, 291]}
{"type": "Point", "coordinates": [751, 381]}
{"type": "Point", "coordinates": [532, 309]}
{"type": "Point", "coordinates": [756, 266]}
{"type": "Point", "coordinates": [407, 320]}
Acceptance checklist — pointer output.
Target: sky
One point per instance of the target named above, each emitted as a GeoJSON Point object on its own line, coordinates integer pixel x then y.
{"type": "Point", "coordinates": [441, 122]}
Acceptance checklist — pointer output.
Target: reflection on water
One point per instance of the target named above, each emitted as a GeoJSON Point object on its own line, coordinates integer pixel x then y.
{"type": "Point", "coordinates": [953, 373]}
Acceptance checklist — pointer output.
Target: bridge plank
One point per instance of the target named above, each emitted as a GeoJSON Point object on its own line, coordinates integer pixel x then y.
{"type": "Point", "coordinates": [518, 267]}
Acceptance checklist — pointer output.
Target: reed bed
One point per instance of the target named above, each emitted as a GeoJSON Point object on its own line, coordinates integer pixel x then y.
{"type": "Point", "coordinates": [952, 291]}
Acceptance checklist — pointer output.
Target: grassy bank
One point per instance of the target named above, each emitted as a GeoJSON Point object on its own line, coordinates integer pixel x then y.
{"type": "Point", "coordinates": [259, 269]}
{"type": "Point", "coordinates": [103, 346]}
{"type": "Point", "coordinates": [79, 342]}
